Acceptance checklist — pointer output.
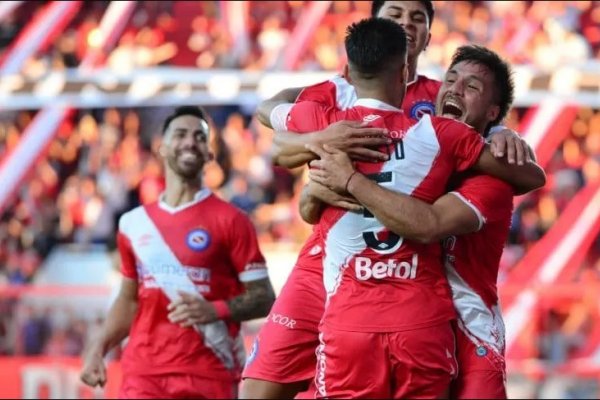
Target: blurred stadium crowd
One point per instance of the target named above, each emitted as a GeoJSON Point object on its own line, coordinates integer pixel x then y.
{"type": "Point", "coordinates": [101, 161]}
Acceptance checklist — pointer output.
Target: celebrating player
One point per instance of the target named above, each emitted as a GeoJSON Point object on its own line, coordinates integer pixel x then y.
{"type": "Point", "coordinates": [192, 270]}
{"type": "Point", "coordinates": [477, 90]}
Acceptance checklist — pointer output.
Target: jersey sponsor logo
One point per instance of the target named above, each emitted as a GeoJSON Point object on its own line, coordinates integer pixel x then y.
{"type": "Point", "coordinates": [365, 269]}
{"type": "Point", "coordinates": [371, 117]}
{"type": "Point", "coordinates": [198, 239]}
{"type": "Point", "coordinates": [282, 320]}
{"type": "Point", "coordinates": [421, 108]}
{"type": "Point", "coordinates": [253, 352]}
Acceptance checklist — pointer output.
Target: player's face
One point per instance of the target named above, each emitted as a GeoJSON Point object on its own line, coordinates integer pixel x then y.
{"type": "Point", "coordinates": [185, 146]}
{"type": "Point", "coordinates": [412, 16]}
{"type": "Point", "coordinates": [467, 95]}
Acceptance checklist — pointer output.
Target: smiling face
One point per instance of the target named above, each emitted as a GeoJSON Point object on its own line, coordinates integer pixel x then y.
{"type": "Point", "coordinates": [185, 147]}
{"type": "Point", "coordinates": [467, 95]}
{"type": "Point", "coordinates": [412, 16]}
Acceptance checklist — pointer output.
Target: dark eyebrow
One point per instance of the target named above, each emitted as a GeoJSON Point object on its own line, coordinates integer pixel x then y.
{"type": "Point", "coordinates": [418, 12]}
{"type": "Point", "coordinates": [395, 8]}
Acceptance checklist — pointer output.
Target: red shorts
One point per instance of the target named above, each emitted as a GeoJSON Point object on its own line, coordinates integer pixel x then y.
{"type": "Point", "coordinates": [284, 349]}
{"type": "Point", "coordinates": [414, 364]}
{"type": "Point", "coordinates": [176, 386]}
{"type": "Point", "coordinates": [482, 371]}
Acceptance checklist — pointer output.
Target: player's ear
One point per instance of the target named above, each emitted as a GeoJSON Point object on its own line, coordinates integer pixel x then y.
{"type": "Point", "coordinates": [493, 112]}
{"type": "Point", "coordinates": [162, 149]}
{"type": "Point", "coordinates": [427, 41]}
{"type": "Point", "coordinates": [346, 74]}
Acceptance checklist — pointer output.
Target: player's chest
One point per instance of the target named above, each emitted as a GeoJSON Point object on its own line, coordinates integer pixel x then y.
{"type": "Point", "coordinates": [190, 243]}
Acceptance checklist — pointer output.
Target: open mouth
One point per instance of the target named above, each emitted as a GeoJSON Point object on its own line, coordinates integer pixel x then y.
{"type": "Point", "coordinates": [410, 39]}
{"type": "Point", "coordinates": [452, 109]}
{"type": "Point", "coordinates": [189, 156]}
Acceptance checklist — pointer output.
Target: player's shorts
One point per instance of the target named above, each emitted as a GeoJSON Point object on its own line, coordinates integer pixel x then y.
{"type": "Point", "coordinates": [284, 349]}
{"type": "Point", "coordinates": [416, 364]}
{"type": "Point", "coordinates": [176, 386]}
{"type": "Point", "coordinates": [482, 371]}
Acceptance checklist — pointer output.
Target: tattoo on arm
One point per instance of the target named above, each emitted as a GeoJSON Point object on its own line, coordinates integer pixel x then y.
{"type": "Point", "coordinates": [255, 302]}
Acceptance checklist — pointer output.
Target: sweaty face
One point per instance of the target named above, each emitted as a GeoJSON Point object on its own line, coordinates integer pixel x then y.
{"type": "Point", "coordinates": [412, 16]}
{"type": "Point", "coordinates": [467, 95]}
{"type": "Point", "coordinates": [185, 147]}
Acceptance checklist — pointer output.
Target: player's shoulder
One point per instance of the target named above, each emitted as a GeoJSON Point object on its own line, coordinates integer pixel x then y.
{"type": "Point", "coordinates": [224, 209]}
{"type": "Point", "coordinates": [444, 123]}
{"type": "Point", "coordinates": [429, 82]}
{"type": "Point", "coordinates": [336, 91]}
{"type": "Point", "coordinates": [131, 217]}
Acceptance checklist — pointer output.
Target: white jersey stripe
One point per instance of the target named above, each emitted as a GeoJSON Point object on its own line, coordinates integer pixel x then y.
{"type": "Point", "coordinates": [479, 320]}
{"type": "Point", "coordinates": [171, 276]}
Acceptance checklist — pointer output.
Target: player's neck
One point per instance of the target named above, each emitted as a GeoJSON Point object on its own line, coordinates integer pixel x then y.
{"type": "Point", "coordinates": [179, 191]}
{"type": "Point", "coordinates": [412, 71]}
{"type": "Point", "coordinates": [375, 92]}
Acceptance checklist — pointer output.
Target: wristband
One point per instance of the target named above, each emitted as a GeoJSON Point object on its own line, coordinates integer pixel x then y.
{"type": "Point", "coordinates": [348, 181]}
{"type": "Point", "coordinates": [222, 309]}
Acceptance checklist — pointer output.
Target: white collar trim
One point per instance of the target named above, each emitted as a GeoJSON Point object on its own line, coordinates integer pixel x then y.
{"type": "Point", "coordinates": [376, 104]}
{"type": "Point", "coordinates": [200, 195]}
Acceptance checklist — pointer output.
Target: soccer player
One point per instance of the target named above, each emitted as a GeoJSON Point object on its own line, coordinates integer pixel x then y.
{"type": "Point", "coordinates": [388, 297]}
{"type": "Point", "coordinates": [474, 219]}
{"type": "Point", "coordinates": [192, 271]}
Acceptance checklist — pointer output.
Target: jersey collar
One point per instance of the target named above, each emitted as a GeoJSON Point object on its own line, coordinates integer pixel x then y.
{"type": "Point", "coordinates": [200, 195]}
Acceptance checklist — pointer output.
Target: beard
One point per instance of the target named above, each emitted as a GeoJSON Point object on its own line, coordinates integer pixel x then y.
{"type": "Point", "coordinates": [187, 172]}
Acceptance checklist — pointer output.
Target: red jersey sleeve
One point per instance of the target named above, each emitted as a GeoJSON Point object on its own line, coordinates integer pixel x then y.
{"type": "Point", "coordinates": [464, 143]}
{"type": "Point", "coordinates": [245, 252]}
{"type": "Point", "coordinates": [322, 93]}
{"type": "Point", "coordinates": [128, 264]}
{"type": "Point", "coordinates": [491, 198]}
{"type": "Point", "coordinates": [308, 116]}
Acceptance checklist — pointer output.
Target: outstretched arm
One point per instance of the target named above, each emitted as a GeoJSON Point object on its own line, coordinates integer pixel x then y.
{"type": "Point", "coordinates": [266, 107]}
{"type": "Point", "coordinates": [523, 178]}
{"type": "Point", "coordinates": [401, 213]}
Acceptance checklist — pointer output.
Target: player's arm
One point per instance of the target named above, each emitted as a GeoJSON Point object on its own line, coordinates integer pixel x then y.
{"type": "Point", "coordinates": [523, 178]}
{"type": "Point", "coordinates": [264, 111]}
{"type": "Point", "coordinates": [400, 213]}
{"type": "Point", "coordinates": [289, 148]}
{"type": "Point", "coordinates": [120, 317]}
{"type": "Point", "coordinates": [115, 329]}
{"type": "Point", "coordinates": [315, 197]}
{"type": "Point", "coordinates": [507, 142]}
{"type": "Point", "coordinates": [255, 302]}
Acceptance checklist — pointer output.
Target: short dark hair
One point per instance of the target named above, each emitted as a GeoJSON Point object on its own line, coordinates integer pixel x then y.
{"type": "Point", "coordinates": [504, 86]}
{"type": "Point", "coordinates": [185, 110]}
{"type": "Point", "coordinates": [377, 5]}
{"type": "Point", "coordinates": [373, 44]}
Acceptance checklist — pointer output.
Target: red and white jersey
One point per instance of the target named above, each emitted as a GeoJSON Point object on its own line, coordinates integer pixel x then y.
{"type": "Point", "coordinates": [337, 92]}
{"type": "Point", "coordinates": [375, 280]}
{"type": "Point", "coordinates": [472, 260]}
{"type": "Point", "coordinates": [206, 247]}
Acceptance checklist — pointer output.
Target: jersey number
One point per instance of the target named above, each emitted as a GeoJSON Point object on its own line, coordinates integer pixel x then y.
{"type": "Point", "coordinates": [393, 241]}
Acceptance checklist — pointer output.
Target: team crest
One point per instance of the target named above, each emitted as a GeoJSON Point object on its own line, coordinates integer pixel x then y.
{"type": "Point", "coordinates": [253, 352]}
{"type": "Point", "coordinates": [421, 108]}
{"type": "Point", "coordinates": [481, 351]}
{"type": "Point", "coordinates": [198, 239]}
